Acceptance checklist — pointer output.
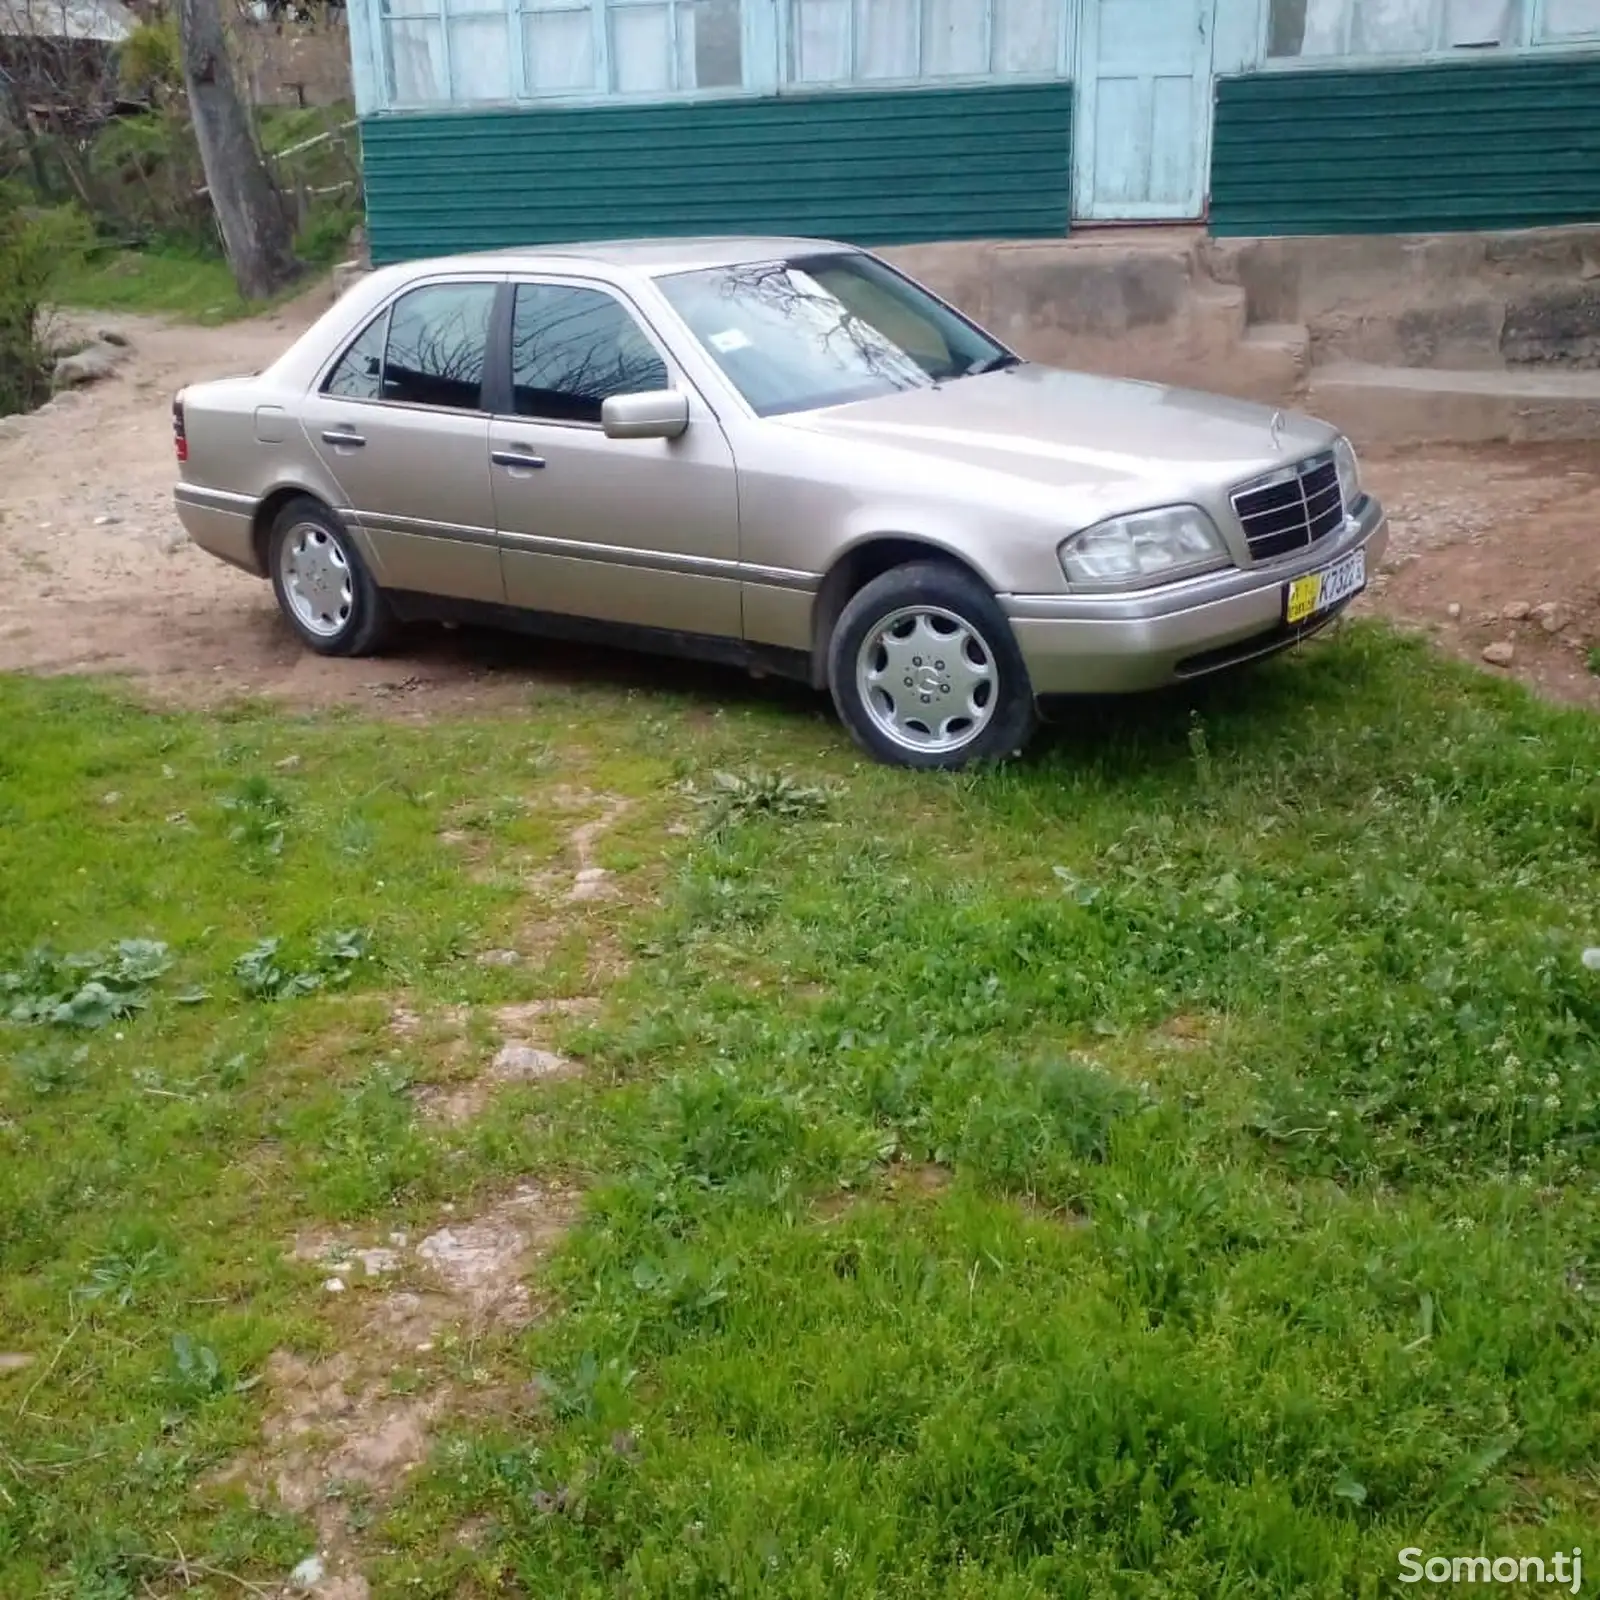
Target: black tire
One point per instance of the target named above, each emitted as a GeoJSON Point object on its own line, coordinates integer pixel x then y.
{"type": "Point", "coordinates": [952, 595]}
{"type": "Point", "coordinates": [364, 624]}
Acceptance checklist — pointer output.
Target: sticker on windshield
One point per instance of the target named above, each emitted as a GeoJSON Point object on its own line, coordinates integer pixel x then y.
{"type": "Point", "coordinates": [729, 340]}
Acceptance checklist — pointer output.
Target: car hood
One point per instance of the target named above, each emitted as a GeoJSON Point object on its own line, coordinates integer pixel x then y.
{"type": "Point", "coordinates": [1078, 430]}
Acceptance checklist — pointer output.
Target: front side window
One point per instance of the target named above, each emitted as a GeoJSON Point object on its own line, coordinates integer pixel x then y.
{"type": "Point", "coordinates": [572, 349]}
{"type": "Point", "coordinates": [438, 339]}
{"type": "Point", "coordinates": [825, 330]}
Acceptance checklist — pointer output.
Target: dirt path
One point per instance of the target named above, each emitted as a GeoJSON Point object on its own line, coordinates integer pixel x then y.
{"type": "Point", "coordinates": [95, 575]}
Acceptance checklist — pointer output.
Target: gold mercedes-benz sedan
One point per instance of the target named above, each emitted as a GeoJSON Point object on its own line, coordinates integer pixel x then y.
{"type": "Point", "coordinates": [778, 453]}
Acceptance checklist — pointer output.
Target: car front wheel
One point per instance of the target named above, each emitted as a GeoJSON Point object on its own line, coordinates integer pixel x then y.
{"type": "Point", "coordinates": [926, 672]}
{"type": "Point", "coordinates": [322, 584]}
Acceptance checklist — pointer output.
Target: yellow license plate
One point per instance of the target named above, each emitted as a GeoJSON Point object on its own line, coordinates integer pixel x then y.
{"type": "Point", "coordinates": [1304, 593]}
{"type": "Point", "coordinates": [1316, 592]}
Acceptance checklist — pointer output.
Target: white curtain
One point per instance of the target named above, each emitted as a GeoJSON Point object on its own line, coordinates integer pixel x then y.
{"type": "Point", "coordinates": [953, 44]}
{"type": "Point", "coordinates": [1391, 27]}
{"type": "Point", "coordinates": [820, 45]}
{"type": "Point", "coordinates": [560, 50]}
{"type": "Point", "coordinates": [643, 57]}
{"type": "Point", "coordinates": [886, 38]}
{"type": "Point", "coordinates": [1478, 22]}
{"type": "Point", "coordinates": [480, 62]}
{"type": "Point", "coordinates": [1570, 19]}
{"type": "Point", "coordinates": [1324, 33]}
{"type": "Point", "coordinates": [416, 52]}
{"type": "Point", "coordinates": [1027, 36]}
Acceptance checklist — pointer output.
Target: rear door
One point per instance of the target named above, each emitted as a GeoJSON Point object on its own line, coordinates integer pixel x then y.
{"type": "Point", "coordinates": [399, 421]}
{"type": "Point", "coordinates": [637, 531]}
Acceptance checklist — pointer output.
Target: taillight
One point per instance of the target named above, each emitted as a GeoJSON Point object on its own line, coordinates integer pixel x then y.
{"type": "Point", "coordinates": [180, 438]}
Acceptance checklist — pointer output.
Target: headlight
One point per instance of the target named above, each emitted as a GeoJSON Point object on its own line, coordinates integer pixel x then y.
{"type": "Point", "coordinates": [1148, 547]}
{"type": "Point", "coordinates": [1349, 470]}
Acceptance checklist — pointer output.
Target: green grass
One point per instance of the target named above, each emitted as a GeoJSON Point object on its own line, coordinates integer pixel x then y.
{"type": "Point", "coordinates": [196, 286]}
{"type": "Point", "coordinates": [1166, 1166]}
{"type": "Point", "coordinates": [189, 287]}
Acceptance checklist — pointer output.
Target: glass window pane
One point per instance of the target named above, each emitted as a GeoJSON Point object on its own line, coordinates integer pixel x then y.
{"type": "Point", "coordinates": [820, 42]}
{"type": "Point", "coordinates": [710, 45]}
{"type": "Point", "coordinates": [953, 40]}
{"type": "Point", "coordinates": [1027, 36]}
{"type": "Point", "coordinates": [416, 62]}
{"type": "Point", "coordinates": [560, 47]}
{"type": "Point", "coordinates": [886, 38]}
{"type": "Point", "coordinates": [361, 366]}
{"type": "Point", "coordinates": [641, 49]}
{"type": "Point", "coordinates": [1391, 27]}
{"type": "Point", "coordinates": [1286, 27]}
{"type": "Point", "coordinates": [1570, 19]}
{"type": "Point", "coordinates": [480, 63]}
{"type": "Point", "coordinates": [573, 348]}
{"type": "Point", "coordinates": [437, 340]}
{"type": "Point", "coordinates": [1479, 22]}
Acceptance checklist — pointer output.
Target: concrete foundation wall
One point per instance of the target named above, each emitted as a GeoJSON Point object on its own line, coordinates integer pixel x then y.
{"type": "Point", "coordinates": [1446, 337]}
{"type": "Point", "coordinates": [1478, 300]}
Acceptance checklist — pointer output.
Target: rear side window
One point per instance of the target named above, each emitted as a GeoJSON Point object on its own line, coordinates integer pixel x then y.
{"type": "Point", "coordinates": [359, 374]}
{"type": "Point", "coordinates": [438, 339]}
{"type": "Point", "coordinates": [573, 348]}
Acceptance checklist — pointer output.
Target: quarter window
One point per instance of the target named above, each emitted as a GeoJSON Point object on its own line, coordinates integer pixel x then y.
{"type": "Point", "coordinates": [359, 374]}
{"type": "Point", "coordinates": [438, 339]}
{"type": "Point", "coordinates": [572, 348]}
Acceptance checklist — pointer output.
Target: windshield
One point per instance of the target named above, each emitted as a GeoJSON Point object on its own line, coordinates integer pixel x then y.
{"type": "Point", "coordinates": [825, 330]}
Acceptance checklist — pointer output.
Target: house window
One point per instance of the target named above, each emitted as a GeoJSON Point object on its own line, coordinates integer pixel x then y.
{"type": "Point", "coordinates": [857, 41]}
{"type": "Point", "coordinates": [483, 51]}
{"type": "Point", "coordinates": [1321, 28]}
{"type": "Point", "coordinates": [1563, 20]}
{"type": "Point", "coordinates": [558, 46]}
{"type": "Point", "coordinates": [682, 44]}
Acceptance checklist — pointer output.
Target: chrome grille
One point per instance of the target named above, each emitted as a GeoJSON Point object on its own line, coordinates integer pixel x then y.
{"type": "Point", "coordinates": [1291, 508]}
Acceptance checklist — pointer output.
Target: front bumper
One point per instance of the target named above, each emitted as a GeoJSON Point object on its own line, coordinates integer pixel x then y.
{"type": "Point", "coordinates": [1119, 644]}
{"type": "Point", "coordinates": [221, 523]}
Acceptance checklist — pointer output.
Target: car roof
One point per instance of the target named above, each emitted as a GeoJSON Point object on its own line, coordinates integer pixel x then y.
{"type": "Point", "coordinates": [654, 257]}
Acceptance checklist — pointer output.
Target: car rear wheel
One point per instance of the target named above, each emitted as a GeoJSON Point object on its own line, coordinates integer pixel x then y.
{"type": "Point", "coordinates": [322, 584]}
{"type": "Point", "coordinates": [926, 672]}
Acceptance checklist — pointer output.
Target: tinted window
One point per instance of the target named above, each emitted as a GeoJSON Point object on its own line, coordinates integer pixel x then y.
{"type": "Point", "coordinates": [438, 337]}
{"type": "Point", "coordinates": [360, 368]}
{"type": "Point", "coordinates": [825, 330]}
{"type": "Point", "coordinates": [573, 348]}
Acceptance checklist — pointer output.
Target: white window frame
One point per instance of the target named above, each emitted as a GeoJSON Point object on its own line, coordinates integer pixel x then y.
{"type": "Point", "coordinates": [1066, 31]}
{"type": "Point", "coordinates": [756, 40]}
{"type": "Point", "coordinates": [1527, 41]}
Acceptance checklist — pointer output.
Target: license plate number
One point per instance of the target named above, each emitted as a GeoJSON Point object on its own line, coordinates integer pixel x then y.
{"type": "Point", "coordinates": [1317, 592]}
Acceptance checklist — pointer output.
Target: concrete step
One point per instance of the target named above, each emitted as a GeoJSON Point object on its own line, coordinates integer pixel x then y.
{"type": "Point", "coordinates": [1432, 405]}
{"type": "Point", "coordinates": [1284, 347]}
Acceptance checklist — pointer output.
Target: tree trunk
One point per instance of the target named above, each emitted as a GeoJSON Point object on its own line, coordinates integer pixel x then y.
{"type": "Point", "coordinates": [250, 211]}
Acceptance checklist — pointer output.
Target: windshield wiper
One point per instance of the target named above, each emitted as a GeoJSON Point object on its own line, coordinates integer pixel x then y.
{"type": "Point", "coordinates": [998, 362]}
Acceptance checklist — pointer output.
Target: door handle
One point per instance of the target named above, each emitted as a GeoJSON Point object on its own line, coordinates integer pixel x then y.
{"type": "Point", "coordinates": [334, 436]}
{"type": "Point", "coordinates": [516, 458]}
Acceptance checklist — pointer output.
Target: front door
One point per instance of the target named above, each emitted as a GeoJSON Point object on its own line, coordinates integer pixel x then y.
{"type": "Point", "coordinates": [400, 425]}
{"type": "Point", "coordinates": [636, 531]}
{"type": "Point", "coordinates": [1143, 109]}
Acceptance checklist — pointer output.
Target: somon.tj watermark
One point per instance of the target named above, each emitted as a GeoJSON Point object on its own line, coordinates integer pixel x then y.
{"type": "Point", "coordinates": [1564, 1567]}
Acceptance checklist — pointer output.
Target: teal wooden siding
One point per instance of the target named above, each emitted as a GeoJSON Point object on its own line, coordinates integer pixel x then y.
{"type": "Point", "coordinates": [871, 169]}
{"type": "Point", "coordinates": [1434, 149]}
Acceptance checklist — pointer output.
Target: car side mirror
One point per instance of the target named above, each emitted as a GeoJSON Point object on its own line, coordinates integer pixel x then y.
{"type": "Point", "coordinates": [659, 414]}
